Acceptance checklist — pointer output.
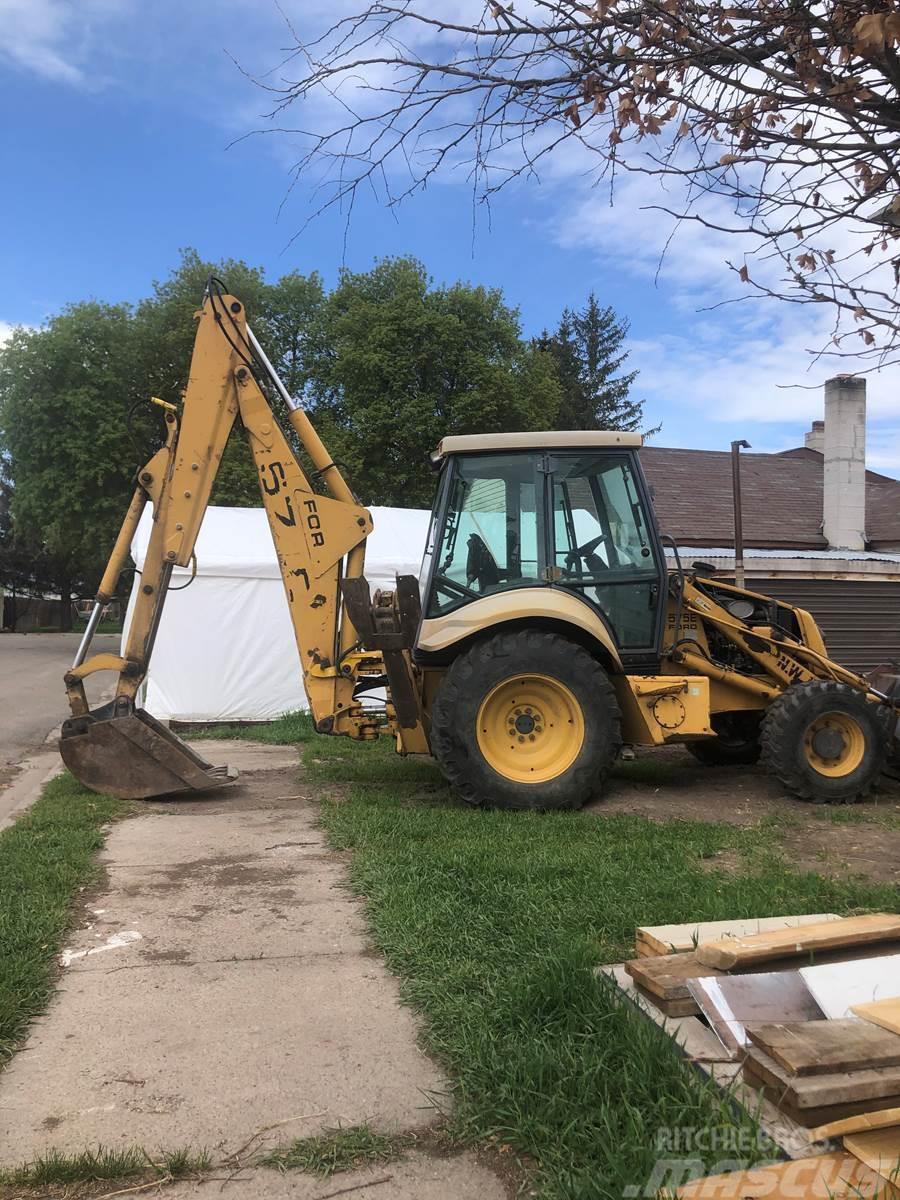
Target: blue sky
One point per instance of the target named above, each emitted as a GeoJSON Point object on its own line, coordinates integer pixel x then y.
{"type": "Point", "coordinates": [117, 147]}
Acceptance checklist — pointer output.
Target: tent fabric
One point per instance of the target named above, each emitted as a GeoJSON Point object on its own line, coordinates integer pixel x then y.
{"type": "Point", "coordinates": [225, 649]}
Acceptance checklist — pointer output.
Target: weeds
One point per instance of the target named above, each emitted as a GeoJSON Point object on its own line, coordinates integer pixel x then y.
{"type": "Point", "coordinates": [91, 1166]}
{"type": "Point", "coordinates": [339, 1150]}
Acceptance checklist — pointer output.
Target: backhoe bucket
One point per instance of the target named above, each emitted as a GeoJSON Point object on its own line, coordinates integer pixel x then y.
{"type": "Point", "coordinates": [127, 753]}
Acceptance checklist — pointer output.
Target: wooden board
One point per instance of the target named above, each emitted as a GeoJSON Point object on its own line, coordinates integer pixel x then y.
{"type": "Point", "coordinates": [885, 1013]}
{"type": "Point", "coordinates": [823, 1047]}
{"type": "Point", "coordinates": [839, 987]}
{"type": "Point", "coordinates": [666, 975]}
{"type": "Point", "coordinates": [813, 1118]}
{"type": "Point", "coordinates": [678, 939]}
{"type": "Point", "coordinates": [837, 1176]}
{"type": "Point", "coordinates": [729, 1001]}
{"type": "Point", "coordinates": [669, 1008]}
{"type": "Point", "coordinates": [727, 953]}
{"type": "Point", "coordinates": [858, 1124]}
{"type": "Point", "coordinates": [879, 1149]}
{"type": "Point", "coordinates": [818, 1091]}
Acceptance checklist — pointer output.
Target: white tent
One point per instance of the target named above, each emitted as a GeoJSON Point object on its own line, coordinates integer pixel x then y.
{"type": "Point", "coordinates": [225, 650]}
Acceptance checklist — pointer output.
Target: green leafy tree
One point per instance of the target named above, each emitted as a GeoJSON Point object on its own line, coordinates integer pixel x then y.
{"type": "Point", "coordinates": [402, 363]}
{"type": "Point", "coordinates": [587, 349]}
{"type": "Point", "coordinates": [164, 337]}
{"type": "Point", "coordinates": [65, 394]}
{"type": "Point", "coordinates": [25, 576]}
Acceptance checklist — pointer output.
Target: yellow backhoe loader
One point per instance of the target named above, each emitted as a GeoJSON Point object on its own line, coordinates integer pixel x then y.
{"type": "Point", "coordinates": [546, 629]}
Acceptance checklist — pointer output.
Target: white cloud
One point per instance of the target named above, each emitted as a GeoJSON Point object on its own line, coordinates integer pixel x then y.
{"type": "Point", "coordinates": [727, 359]}
{"type": "Point", "coordinates": [54, 38]}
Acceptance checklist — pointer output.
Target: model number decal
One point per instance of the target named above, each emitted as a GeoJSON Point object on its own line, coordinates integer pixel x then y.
{"type": "Point", "coordinates": [273, 485]}
{"type": "Point", "coordinates": [314, 523]}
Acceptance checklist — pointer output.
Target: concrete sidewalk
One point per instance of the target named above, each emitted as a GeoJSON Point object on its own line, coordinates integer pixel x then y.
{"type": "Point", "coordinates": [220, 983]}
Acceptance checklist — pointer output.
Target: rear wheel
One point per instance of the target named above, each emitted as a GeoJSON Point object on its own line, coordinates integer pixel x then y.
{"type": "Point", "coordinates": [825, 742]}
{"type": "Point", "coordinates": [526, 720]}
{"type": "Point", "coordinates": [736, 742]}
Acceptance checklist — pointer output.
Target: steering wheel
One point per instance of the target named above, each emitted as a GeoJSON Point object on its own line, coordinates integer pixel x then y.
{"type": "Point", "coordinates": [593, 561]}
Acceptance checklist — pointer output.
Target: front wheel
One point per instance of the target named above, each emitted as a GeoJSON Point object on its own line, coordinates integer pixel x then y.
{"type": "Point", "coordinates": [526, 720]}
{"type": "Point", "coordinates": [825, 741]}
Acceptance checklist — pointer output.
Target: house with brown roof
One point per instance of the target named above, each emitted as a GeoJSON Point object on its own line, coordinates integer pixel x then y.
{"type": "Point", "coordinates": [819, 529]}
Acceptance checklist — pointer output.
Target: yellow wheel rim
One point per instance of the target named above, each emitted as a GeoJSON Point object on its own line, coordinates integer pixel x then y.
{"type": "Point", "coordinates": [530, 728]}
{"type": "Point", "coordinates": [835, 744]}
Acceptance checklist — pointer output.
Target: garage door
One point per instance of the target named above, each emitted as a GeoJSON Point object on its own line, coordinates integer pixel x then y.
{"type": "Point", "coordinates": [860, 620]}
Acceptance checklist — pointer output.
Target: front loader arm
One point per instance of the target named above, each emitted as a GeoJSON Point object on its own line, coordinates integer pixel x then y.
{"type": "Point", "coordinates": [318, 539]}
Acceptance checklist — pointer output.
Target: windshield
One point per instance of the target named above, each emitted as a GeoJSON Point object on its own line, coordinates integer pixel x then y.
{"type": "Point", "coordinates": [492, 530]}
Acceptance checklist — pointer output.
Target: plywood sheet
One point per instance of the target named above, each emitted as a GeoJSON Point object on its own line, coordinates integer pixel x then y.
{"type": "Point", "coordinates": [729, 1002]}
{"type": "Point", "coordinates": [837, 1176]}
{"type": "Point", "coordinates": [879, 1149]}
{"type": "Point", "coordinates": [839, 987]}
{"type": "Point", "coordinates": [677, 939]}
{"type": "Point", "coordinates": [817, 1047]}
{"type": "Point", "coordinates": [729, 952]}
{"type": "Point", "coordinates": [885, 1013]}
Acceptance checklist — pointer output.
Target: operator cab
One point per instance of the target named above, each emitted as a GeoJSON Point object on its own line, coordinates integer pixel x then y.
{"type": "Point", "coordinates": [549, 510]}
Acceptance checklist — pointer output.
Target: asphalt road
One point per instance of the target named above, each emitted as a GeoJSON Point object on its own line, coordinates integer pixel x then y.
{"type": "Point", "coordinates": [32, 693]}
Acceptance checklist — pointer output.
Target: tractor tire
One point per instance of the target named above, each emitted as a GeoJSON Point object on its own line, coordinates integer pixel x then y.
{"type": "Point", "coordinates": [526, 720]}
{"type": "Point", "coordinates": [736, 744]}
{"type": "Point", "coordinates": [825, 742]}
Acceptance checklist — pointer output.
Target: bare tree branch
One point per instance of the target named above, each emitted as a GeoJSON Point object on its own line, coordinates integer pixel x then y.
{"type": "Point", "coordinates": [785, 115]}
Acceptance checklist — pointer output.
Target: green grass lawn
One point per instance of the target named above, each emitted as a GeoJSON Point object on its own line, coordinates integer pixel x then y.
{"type": "Point", "coordinates": [495, 923]}
{"type": "Point", "coordinates": [44, 858]}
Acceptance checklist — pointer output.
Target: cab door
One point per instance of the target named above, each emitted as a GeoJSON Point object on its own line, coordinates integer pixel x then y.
{"type": "Point", "coordinates": [606, 549]}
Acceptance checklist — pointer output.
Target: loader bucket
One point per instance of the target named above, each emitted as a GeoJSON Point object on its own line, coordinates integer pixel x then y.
{"type": "Point", "coordinates": [127, 753]}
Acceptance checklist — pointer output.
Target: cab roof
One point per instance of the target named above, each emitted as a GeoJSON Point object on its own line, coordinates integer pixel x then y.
{"type": "Point", "coordinates": [575, 439]}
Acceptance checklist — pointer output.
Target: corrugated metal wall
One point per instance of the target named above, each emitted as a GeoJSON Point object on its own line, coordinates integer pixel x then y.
{"type": "Point", "coordinates": [860, 618]}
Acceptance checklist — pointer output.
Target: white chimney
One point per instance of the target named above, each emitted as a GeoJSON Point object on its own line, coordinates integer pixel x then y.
{"type": "Point", "coordinates": [815, 438]}
{"type": "Point", "coordinates": [844, 482]}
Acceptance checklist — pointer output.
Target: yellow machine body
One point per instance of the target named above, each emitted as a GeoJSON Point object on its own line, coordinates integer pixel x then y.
{"type": "Point", "coordinates": [530, 727]}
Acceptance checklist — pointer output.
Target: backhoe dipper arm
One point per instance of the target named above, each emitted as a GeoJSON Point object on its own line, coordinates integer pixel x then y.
{"type": "Point", "coordinates": [313, 534]}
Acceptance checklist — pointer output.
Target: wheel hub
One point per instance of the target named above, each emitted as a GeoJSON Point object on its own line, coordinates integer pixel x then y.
{"type": "Point", "coordinates": [525, 723]}
{"type": "Point", "coordinates": [828, 743]}
{"type": "Point", "coordinates": [835, 744]}
{"type": "Point", "coordinates": [530, 728]}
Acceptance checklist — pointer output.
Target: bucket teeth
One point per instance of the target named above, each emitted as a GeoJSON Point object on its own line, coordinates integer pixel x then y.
{"type": "Point", "coordinates": [127, 753]}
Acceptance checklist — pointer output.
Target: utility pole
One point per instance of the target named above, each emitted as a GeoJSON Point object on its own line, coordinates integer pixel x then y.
{"type": "Point", "coordinates": [736, 448]}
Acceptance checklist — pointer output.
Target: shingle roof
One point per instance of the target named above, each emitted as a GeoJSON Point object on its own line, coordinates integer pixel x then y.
{"type": "Point", "coordinates": [781, 494]}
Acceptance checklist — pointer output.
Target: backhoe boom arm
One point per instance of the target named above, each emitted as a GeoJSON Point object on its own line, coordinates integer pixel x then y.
{"type": "Point", "coordinates": [319, 539]}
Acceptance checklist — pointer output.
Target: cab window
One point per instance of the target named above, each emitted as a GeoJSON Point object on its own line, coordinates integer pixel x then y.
{"type": "Point", "coordinates": [602, 544]}
{"type": "Point", "coordinates": [492, 533]}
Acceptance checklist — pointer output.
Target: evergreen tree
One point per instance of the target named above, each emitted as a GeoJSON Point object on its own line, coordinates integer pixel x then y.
{"type": "Point", "coordinates": [587, 349]}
